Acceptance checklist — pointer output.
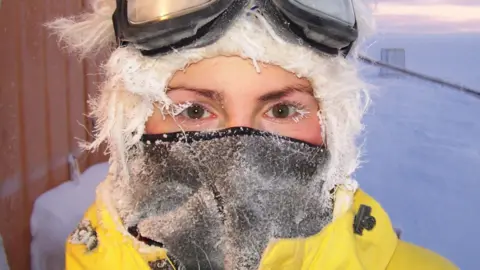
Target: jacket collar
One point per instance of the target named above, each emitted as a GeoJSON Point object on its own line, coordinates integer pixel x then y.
{"type": "Point", "coordinates": [335, 247]}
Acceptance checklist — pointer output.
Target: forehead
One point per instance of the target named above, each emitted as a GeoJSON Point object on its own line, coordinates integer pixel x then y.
{"type": "Point", "coordinates": [232, 74]}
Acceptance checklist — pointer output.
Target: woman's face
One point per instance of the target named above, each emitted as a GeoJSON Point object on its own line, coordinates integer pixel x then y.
{"type": "Point", "coordinates": [225, 92]}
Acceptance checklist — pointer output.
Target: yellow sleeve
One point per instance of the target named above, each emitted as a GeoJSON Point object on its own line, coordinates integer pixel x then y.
{"type": "Point", "coordinates": [409, 256]}
{"type": "Point", "coordinates": [92, 246]}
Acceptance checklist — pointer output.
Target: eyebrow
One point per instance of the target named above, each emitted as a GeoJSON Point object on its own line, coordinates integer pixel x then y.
{"type": "Point", "coordinates": [284, 92]}
{"type": "Point", "coordinates": [210, 94]}
{"type": "Point", "coordinates": [268, 97]}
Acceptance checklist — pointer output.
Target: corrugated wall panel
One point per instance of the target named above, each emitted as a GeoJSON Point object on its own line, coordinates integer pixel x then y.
{"type": "Point", "coordinates": [76, 94]}
{"type": "Point", "coordinates": [11, 166]}
{"type": "Point", "coordinates": [35, 120]}
{"type": "Point", "coordinates": [57, 99]}
{"type": "Point", "coordinates": [43, 95]}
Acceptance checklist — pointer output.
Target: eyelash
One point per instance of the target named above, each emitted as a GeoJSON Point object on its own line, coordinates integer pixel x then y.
{"type": "Point", "coordinates": [301, 111]}
{"type": "Point", "coordinates": [180, 108]}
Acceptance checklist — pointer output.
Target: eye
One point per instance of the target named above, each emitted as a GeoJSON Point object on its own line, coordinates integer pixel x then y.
{"type": "Point", "coordinates": [195, 112]}
{"type": "Point", "coordinates": [282, 111]}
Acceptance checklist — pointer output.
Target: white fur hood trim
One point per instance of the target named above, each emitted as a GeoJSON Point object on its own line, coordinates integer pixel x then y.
{"type": "Point", "coordinates": [133, 83]}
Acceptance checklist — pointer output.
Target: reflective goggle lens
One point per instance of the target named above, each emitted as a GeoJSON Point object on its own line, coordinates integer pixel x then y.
{"type": "Point", "coordinates": [144, 11]}
{"type": "Point", "coordinates": [338, 9]}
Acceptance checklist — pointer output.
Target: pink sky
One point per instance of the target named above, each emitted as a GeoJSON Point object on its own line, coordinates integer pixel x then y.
{"type": "Point", "coordinates": [428, 16]}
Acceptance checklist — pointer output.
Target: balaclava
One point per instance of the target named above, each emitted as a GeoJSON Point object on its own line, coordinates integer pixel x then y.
{"type": "Point", "coordinates": [215, 200]}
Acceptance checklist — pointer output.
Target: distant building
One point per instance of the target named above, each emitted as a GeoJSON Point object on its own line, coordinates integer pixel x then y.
{"type": "Point", "coordinates": [393, 57]}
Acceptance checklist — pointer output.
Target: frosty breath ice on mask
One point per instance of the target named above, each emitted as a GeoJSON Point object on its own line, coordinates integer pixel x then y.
{"type": "Point", "coordinates": [214, 200]}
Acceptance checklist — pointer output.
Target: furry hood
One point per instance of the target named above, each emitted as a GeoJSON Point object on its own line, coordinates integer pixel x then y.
{"type": "Point", "coordinates": [133, 82]}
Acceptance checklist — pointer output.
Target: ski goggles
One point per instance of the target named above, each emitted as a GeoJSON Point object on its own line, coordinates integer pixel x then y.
{"type": "Point", "coordinates": [161, 26]}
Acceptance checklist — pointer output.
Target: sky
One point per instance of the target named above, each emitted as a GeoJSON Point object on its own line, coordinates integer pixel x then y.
{"type": "Point", "coordinates": [428, 16]}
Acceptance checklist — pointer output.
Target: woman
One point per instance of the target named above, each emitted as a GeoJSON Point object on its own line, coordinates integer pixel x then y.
{"type": "Point", "coordinates": [231, 128]}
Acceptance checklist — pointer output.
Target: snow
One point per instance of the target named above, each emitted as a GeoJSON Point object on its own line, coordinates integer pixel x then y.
{"type": "Point", "coordinates": [423, 149]}
{"type": "Point", "coordinates": [55, 215]}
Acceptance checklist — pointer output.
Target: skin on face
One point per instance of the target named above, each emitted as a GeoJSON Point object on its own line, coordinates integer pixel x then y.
{"type": "Point", "coordinates": [225, 92]}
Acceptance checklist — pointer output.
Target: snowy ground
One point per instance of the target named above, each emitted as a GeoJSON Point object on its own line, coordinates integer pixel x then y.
{"type": "Point", "coordinates": [423, 161]}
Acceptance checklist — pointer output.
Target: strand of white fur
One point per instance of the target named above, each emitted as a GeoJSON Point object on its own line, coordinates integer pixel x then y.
{"type": "Point", "coordinates": [88, 33]}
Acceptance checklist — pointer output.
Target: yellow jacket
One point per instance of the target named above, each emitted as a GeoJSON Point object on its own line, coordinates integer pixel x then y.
{"type": "Point", "coordinates": [100, 242]}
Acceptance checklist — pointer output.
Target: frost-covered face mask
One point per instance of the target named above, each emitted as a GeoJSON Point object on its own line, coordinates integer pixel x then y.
{"type": "Point", "coordinates": [215, 200]}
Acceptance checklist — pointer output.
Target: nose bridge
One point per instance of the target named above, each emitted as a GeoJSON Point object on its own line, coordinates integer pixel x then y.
{"type": "Point", "coordinates": [241, 114]}
{"type": "Point", "coordinates": [240, 118]}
